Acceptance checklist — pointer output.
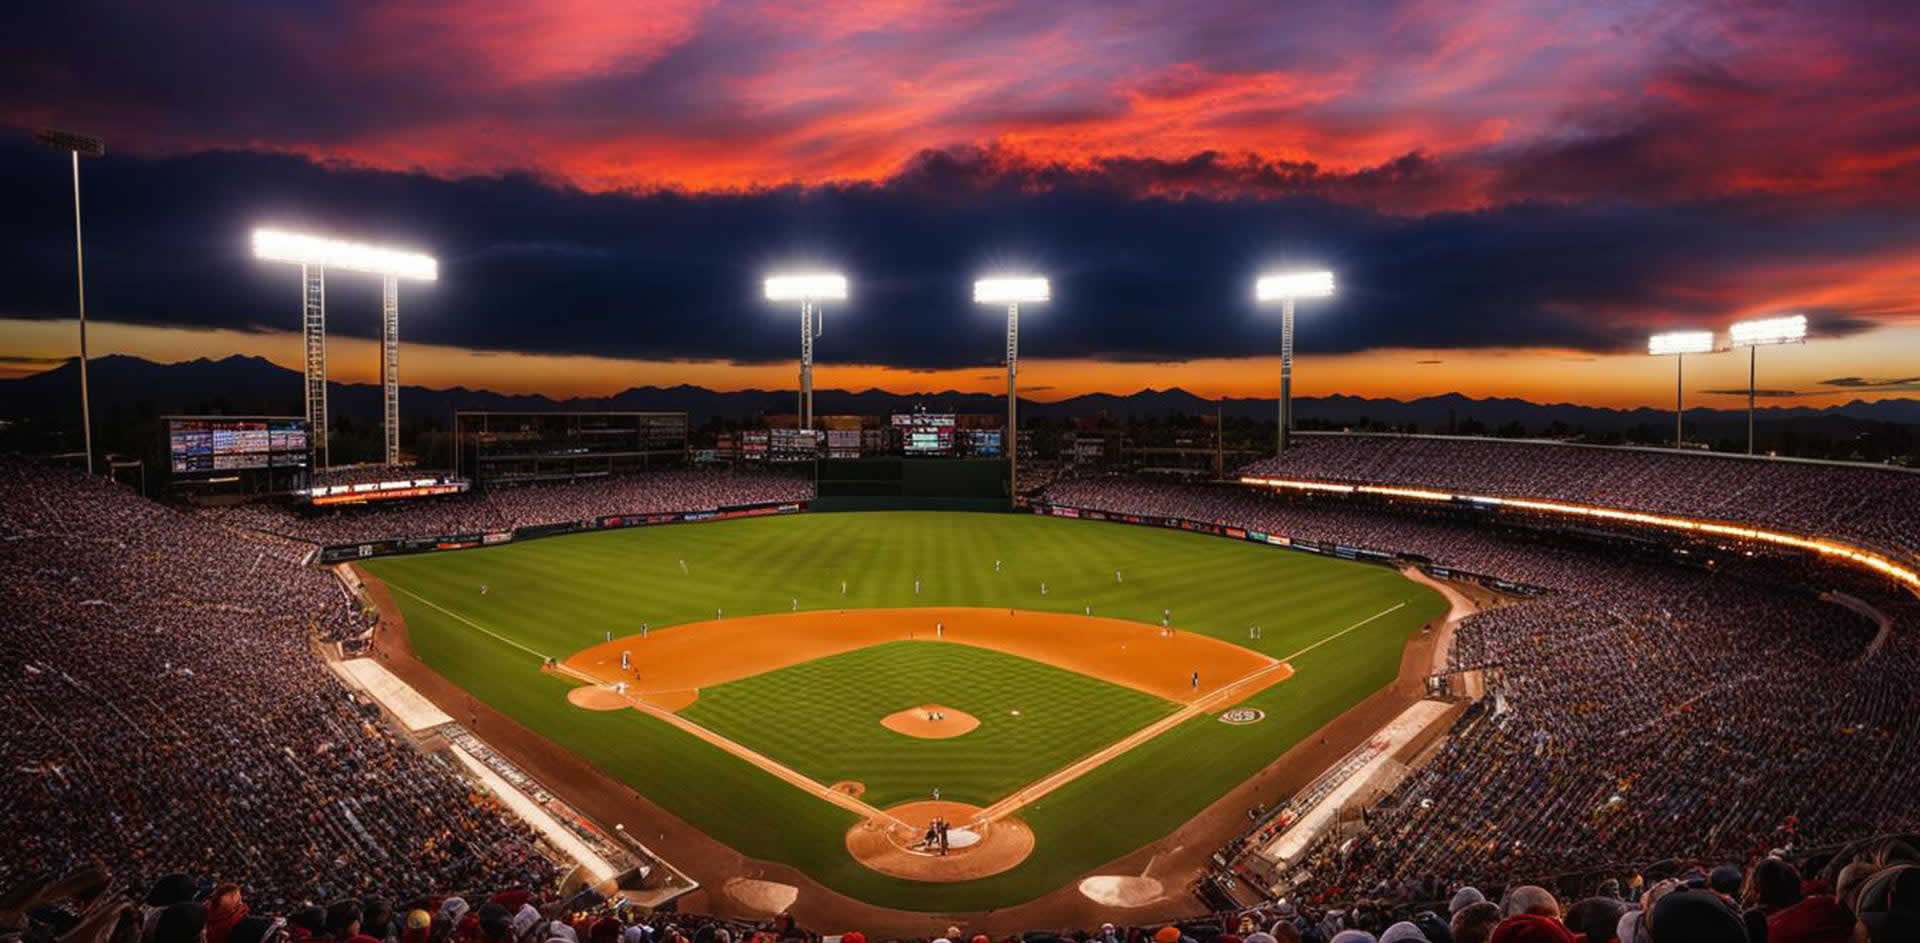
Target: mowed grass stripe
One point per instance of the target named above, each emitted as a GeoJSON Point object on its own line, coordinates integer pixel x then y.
{"type": "Point", "coordinates": [564, 594]}
{"type": "Point", "coordinates": [823, 719]}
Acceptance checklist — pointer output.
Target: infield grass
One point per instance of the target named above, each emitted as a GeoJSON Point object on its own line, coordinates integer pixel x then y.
{"type": "Point", "coordinates": [557, 596]}
{"type": "Point", "coordinates": [823, 719]}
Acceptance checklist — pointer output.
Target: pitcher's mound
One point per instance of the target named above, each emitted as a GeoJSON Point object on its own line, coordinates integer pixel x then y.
{"type": "Point", "coordinates": [897, 845]}
{"type": "Point", "coordinates": [930, 722]}
{"type": "Point", "coordinates": [595, 697]}
{"type": "Point", "coordinates": [1119, 890]}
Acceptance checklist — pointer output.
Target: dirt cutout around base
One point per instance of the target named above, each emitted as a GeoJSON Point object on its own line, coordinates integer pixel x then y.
{"type": "Point", "coordinates": [931, 722]}
{"type": "Point", "coordinates": [1121, 890]}
{"type": "Point", "coordinates": [593, 697]}
{"type": "Point", "coordinates": [899, 850]}
{"type": "Point", "coordinates": [850, 787]}
{"type": "Point", "coordinates": [764, 897]}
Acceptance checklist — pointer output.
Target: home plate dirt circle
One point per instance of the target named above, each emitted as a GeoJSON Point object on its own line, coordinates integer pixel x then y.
{"type": "Point", "coordinates": [974, 851]}
{"type": "Point", "coordinates": [930, 722]}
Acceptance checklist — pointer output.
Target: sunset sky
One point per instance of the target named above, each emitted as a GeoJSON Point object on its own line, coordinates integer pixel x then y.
{"type": "Point", "coordinates": [1512, 193]}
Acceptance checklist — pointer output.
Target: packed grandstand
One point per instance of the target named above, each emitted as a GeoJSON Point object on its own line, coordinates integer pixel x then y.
{"type": "Point", "coordinates": [1666, 742]}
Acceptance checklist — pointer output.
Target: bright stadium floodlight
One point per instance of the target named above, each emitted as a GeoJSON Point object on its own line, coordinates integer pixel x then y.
{"type": "Point", "coordinates": [1285, 288]}
{"type": "Point", "coordinates": [1012, 292]}
{"type": "Point", "coordinates": [994, 291]}
{"type": "Point", "coordinates": [1785, 329]}
{"type": "Point", "coordinates": [314, 255]}
{"type": "Point", "coordinates": [820, 286]}
{"type": "Point", "coordinates": [78, 146]}
{"type": "Point", "coordinates": [1678, 344]}
{"type": "Point", "coordinates": [1293, 285]}
{"type": "Point", "coordinates": [807, 288]}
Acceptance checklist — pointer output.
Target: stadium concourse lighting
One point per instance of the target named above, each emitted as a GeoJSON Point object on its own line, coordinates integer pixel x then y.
{"type": "Point", "coordinates": [1012, 292]}
{"type": "Point", "coordinates": [1786, 329]}
{"type": "Point", "coordinates": [314, 255]}
{"type": "Point", "coordinates": [78, 146]}
{"type": "Point", "coordinates": [807, 288]}
{"type": "Point", "coordinates": [1285, 288]}
{"type": "Point", "coordinates": [1679, 344]}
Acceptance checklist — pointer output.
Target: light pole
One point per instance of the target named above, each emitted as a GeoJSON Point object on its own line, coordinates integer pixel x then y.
{"type": "Point", "coordinates": [1786, 329]}
{"type": "Point", "coordinates": [314, 255]}
{"type": "Point", "coordinates": [807, 289]}
{"type": "Point", "coordinates": [78, 146]}
{"type": "Point", "coordinates": [1679, 344]}
{"type": "Point", "coordinates": [1285, 289]}
{"type": "Point", "coordinates": [1011, 292]}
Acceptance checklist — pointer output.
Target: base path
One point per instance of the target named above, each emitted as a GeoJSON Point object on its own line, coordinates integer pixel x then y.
{"type": "Point", "coordinates": [671, 665]}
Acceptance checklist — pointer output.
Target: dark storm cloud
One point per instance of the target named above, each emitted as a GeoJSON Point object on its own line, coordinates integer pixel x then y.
{"type": "Point", "coordinates": [530, 266]}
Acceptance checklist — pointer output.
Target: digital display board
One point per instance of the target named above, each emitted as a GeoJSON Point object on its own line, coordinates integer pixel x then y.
{"type": "Point", "coordinates": [753, 445]}
{"type": "Point", "coordinates": [983, 442]}
{"type": "Point", "coordinates": [843, 443]}
{"type": "Point", "coordinates": [925, 433]}
{"type": "Point", "coordinates": [213, 445]}
{"type": "Point", "coordinates": [793, 445]}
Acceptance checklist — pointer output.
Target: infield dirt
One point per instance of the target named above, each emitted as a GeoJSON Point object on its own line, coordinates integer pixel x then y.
{"type": "Point", "coordinates": [670, 666]}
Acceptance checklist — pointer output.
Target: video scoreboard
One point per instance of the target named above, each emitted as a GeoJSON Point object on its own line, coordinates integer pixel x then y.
{"type": "Point", "coordinates": [208, 446]}
{"type": "Point", "coordinates": [925, 433]}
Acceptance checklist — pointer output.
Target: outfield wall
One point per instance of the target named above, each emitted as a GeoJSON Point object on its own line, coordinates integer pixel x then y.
{"type": "Point", "coordinates": [347, 553]}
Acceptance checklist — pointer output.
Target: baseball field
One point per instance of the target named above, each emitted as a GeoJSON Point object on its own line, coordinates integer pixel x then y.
{"type": "Point", "coordinates": [817, 689]}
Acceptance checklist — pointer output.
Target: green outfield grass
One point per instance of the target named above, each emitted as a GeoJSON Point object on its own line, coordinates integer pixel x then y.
{"type": "Point", "coordinates": [823, 719]}
{"type": "Point", "coordinates": [557, 596]}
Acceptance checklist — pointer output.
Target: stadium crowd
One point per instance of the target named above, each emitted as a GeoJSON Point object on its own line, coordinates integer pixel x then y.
{"type": "Point", "coordinates": [656, 492]}
{"type": "Point", "coordinates": [169, 714]}
{"type": "Point", "coordinates": [165, 710]}
{"type": "Point", "coordinates": [1639, 710]}
{"type": "Point", "coordinates": [1875, 505]}
{"type": "Point", "coordinates": [1867, 893]}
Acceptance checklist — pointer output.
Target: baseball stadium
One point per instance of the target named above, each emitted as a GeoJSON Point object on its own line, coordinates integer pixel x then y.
{"type": "Point", "coordinates": [1574, 597]}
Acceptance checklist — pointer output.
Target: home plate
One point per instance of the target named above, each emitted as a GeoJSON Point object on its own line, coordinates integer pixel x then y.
{"type": "Point", "coordinates": [1119, 890]}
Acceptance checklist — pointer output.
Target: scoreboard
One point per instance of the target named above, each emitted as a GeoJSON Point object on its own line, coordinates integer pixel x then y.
{"type": "Point", "coordinates": [793, 445]}
{"type": "Point", "coordinates": [925, 433]}
{"type": "Point", "coordinates": [207, 446]}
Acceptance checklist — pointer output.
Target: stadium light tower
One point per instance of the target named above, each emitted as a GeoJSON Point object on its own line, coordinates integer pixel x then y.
{"type": "Point", "coordinates": [78, 146]}
{"type": "Point", "coordinates": [1011, 292]}
{"type": "Point", "coordinates": [1679, 344]}
{"type": "Point", "coordinates": [314, 255]}
{"type": "Point", "coordinates": [807, 288]}
{"type": "Point", "coordinates": [1786, 329]}
{"type": "Point", "coordinates": [1285, 288]}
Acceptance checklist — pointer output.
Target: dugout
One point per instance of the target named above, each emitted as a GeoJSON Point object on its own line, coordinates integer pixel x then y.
{"type": "Point", "coordinates": [911, 484]}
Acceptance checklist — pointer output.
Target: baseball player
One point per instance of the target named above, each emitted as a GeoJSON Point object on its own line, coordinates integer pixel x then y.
{"type": "Point", "coordinates": [626, 660]}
